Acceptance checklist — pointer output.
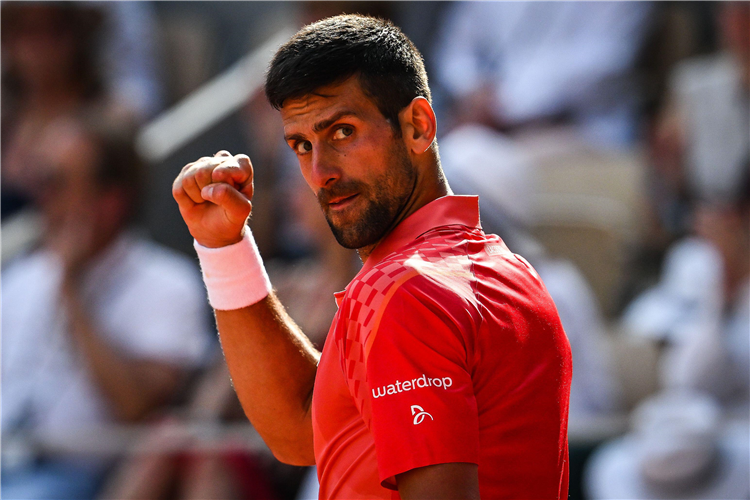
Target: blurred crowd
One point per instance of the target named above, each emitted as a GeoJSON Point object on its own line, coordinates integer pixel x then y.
{"type": "Point", "coordinates": [609, 144]}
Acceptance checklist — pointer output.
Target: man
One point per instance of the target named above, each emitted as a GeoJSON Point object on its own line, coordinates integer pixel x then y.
{"type": "Point", "coordinates": [99, 326]}
{"type": "Point", "coordinates": [446, 373]}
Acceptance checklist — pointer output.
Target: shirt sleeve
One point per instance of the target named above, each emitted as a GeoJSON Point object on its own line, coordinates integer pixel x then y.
{"type": "Point", "coordinates": [420, 390]}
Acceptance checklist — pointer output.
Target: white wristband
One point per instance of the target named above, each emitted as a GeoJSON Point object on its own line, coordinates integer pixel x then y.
{"type": "Point", "coordinates": [234, 275]}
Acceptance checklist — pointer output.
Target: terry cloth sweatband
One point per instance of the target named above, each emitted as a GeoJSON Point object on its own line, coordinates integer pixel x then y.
{"type": "Point", "coordinates": [234, 275]}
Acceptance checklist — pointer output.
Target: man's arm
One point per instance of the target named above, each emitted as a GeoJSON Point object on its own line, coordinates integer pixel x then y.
{"type": "Point", "coordinates": [272, 365]}
{"type": "Point", "coordinates": [454, 481]}
{"type": "Point", "coordinates": [271, 362]}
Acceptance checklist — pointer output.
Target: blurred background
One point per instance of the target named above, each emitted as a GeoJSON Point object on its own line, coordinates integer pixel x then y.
{"type": "Point", "coordinates": [609, 144]}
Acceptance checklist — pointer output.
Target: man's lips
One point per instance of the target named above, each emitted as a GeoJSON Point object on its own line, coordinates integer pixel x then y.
{"type": "Point", "coordinates": [342, 201]}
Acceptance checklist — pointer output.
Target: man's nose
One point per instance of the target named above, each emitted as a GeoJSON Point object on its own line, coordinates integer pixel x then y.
{"type": "Point", "coordinates": [324, 172]}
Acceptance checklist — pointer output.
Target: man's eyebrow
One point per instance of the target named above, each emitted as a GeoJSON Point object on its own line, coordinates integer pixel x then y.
{"type": "Point", "coordinates": [294, 137]}
{"type": "Point", "coordinates": [324, 124]}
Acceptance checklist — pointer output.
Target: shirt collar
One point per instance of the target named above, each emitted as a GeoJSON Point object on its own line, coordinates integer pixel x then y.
{"type": "Point", "coordinates": [445, 211]}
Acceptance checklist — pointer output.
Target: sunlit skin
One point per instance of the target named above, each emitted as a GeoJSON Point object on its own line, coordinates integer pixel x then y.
{"type": "Point", "coordinates": [367, 178]}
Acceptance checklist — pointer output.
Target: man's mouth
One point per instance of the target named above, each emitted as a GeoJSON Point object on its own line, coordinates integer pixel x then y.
{"type": "Point", "coordinates": [342, 201]}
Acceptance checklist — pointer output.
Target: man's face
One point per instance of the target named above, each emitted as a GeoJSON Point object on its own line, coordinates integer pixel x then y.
{"type": "Point", "coordinates": [352, 159]}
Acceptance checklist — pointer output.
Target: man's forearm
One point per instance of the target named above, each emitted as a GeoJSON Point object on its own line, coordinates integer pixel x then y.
{"type": "Point", "coordinates": [272, 365]}
{"type": "Point", "coordinates": [271, 362]}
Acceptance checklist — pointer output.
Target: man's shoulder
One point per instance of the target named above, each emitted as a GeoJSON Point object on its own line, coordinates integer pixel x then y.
{"type": "Point", "coordinates": [435, 267]}
{"type": "Point", "coordinates": [443, 268]}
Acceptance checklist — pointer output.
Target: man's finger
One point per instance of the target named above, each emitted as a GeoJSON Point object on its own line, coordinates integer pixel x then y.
{"type": "Point", "coordinates": [191, 188]}
{"type": "Point", "coordinates": [244, 162]}
{"type": "Point", "coordinates": [179, 194]}
{"type": "Point", "coordinates": [230, 173]}
{"type": "Point", "coordinates": [202, 174]}
{"type": "Point", "coordinates": [246, 186]}
{"type": "Point", "coordinates": [223, 152]}
{"type": "Point", "coordinates": [235, 205]}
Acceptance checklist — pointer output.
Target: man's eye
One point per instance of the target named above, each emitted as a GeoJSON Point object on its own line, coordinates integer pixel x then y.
{"type": "Point", "coordinates": [303, 147]}
{"type": "Point", "coordinates": [343, 132]}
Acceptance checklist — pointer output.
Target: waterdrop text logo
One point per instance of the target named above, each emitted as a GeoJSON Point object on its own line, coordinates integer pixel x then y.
{"type": "Point", "coordinates": [410, 385]}
{"type": "Point", "coordinates": [419, 414]}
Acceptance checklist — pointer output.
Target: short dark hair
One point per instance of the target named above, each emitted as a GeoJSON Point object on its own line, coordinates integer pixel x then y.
{"type": "Point", "coordinates": [389, 66]}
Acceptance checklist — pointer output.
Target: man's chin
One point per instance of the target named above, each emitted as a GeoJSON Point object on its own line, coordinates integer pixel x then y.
{"type": "Point", "coordinates": [347, 239]}
{"type": "Point", "coordinates": [353, 236]}
{"type": "Point", "coordinates": [358, 227]}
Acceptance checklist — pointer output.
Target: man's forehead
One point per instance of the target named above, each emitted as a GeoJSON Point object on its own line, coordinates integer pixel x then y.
{"type": "Point", "coordinates": [327, 99]}
{"type": "Point", "coordinates": [308, 101]}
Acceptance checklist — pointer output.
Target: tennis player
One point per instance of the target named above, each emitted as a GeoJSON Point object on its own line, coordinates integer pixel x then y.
{"type": "Point", "coordinates": [446, 372]}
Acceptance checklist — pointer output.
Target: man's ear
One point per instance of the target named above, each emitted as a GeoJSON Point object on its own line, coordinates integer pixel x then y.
{"type": "Point", "coordinates": [418, 125]}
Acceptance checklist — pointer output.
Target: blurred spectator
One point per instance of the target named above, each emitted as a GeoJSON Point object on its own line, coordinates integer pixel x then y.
{"type": "Point", "coordinates": [99, 325]}
{"type": "Point", "coordinates": [57, 63]}
{"type": "Point", "coordinates": [173, 461]}
{"type": "Point", "coordinates": [680, 447]}
{"type": "Point", "coordinates": [701, 136]}
{"type": "Point", "coordinates": [691, 440]}
{"type": "Point", "coordinates": [515, 64]}
{"type": "Point", "coordinates": [478, 160]}
{"type": "Point", "coordinates": [49, 71]}
{"type": "Point", "coordinates": [701, 307]}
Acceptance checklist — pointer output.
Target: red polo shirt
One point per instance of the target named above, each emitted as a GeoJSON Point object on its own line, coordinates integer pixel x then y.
{"type": "Point", "coordinates": [446, 348]}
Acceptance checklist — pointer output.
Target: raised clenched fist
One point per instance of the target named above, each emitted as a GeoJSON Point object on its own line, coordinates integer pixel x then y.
{"type": "Point", "coordinates": [214, 195]}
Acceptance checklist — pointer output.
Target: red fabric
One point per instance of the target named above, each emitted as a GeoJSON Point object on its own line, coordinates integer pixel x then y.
{"type": "Point", "coordinates": [441, 306]}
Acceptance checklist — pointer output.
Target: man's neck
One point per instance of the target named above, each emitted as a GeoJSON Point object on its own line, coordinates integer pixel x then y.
{"type": "Point", "coordinates": [422, 194]}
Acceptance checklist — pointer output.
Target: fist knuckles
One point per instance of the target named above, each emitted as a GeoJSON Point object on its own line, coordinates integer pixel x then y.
{"type": "Point", "coordinates": [214, 195]}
